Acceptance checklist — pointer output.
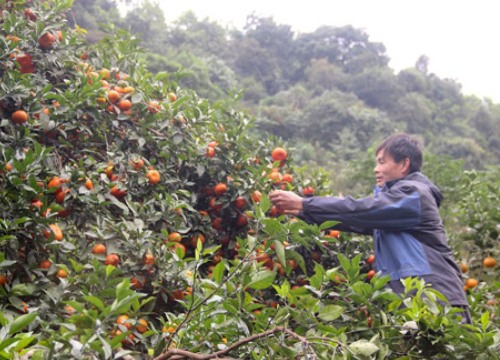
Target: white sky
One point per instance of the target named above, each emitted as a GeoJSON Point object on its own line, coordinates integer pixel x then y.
{"type": "Point", "coordinates": [460, 37]}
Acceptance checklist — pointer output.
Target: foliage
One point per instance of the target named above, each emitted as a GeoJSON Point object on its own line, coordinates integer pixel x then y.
{"type": "Point", "coordinates": [135, 223]}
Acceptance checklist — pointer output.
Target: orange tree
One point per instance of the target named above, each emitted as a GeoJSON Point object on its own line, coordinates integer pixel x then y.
{"type": "Point", "coordinates": [135, 222]}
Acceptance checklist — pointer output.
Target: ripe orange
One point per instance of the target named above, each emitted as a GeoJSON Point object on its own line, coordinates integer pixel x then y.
{"type": "Point", "coordinates": [334, 233]}
{"type": "Point", "coordinates": [174, 237]}
{"type": "Point", "coordinates": [195, 238]}
{"type": "Point", "coordinates": [210, 152]}
{"type": "Point", "coordinates": [89, 184]}
{"type": "Point", "coordinates": [489, 262]}
{"type": "Point", "coordinates": [55, 182]}
{"type": "Point", "coordinates": [370, 259]}
{"type": "Point", "coordinates": [46, 40]}
{"type": "Point", "coordinates": [123, 320]}
{"type": "Point", "coordinates": [137, 164]}
{"type": "Point", "coordinates": [19, 117]}
{"type": "Point", "coordinates": [112, 259]}
{"type": "Point", "coordinates": [220, 189]}
{"type": "Point", "coordinates": [471, 283]}
{"type": "Point", "coordinates": [4, 280]}
{"type": "Point", "coordinates": [99, 249]}
{"type": "Point", "coordinates": [371, 273]}
{"type": "Point", "coordinates": [117, 192]}
{"type": "Point", "coordinates": [464, 267]}
{"type": "Point", "coordinates": [113, 96]}
{"type": "Point", "coordinates": [241, 221]}
{"type": "Point", "coordinates": [124, 105]}
{"type": "Point", "coordinates": [292, 263]}
{"type": "Point", "coordinates": [172, 97]}
{"type": "Point", "coordinates": [136, 283]}
{"type": "Point", "coordinates": [104, 73]}
{"type": "Point", "coordinates": [8, 167]}
{"type": "Point", "coordinates": [61, 195]}
{"type": "Point", "coordinates": [176, 246]}
{"type": "Point", "coordinates": [56, 230]}
{"type": "Point", "coordinates": [61, 273]}
{"type": "Point", "coordinates": [308, 191]}
{"type": "Point", "coordinates": [279, 154]}
{"type": "Point", "coordinates": [141, 326]}
{"type": "Point", "coordinates": [288, 178]}
{"type": "Point", "coordinates": [45, 264]}
{"type": "Point", "coordinates": [153, 106]}
{"type": "Point", "coordinates": [153, 176]}
{"type": "Point", "coordinates": [240, 202]}
{"type": "Point", "coordinates": [149, 259]}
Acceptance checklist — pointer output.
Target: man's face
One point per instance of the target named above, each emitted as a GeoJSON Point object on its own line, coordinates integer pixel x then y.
{"type": "Point", "coordinates": [387, 169]}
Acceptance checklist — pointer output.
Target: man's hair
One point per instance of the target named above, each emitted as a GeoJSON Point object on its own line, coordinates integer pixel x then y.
{"type": "Point", "coordinates": [402, 146]}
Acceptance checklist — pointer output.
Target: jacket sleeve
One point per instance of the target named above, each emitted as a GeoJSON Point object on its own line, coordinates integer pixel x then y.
{"type": "Point", "coordinates": [395, 210]}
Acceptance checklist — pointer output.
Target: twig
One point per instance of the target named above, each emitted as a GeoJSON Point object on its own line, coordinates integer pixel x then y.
{"type": "Point", "coordinates": [184, 354]}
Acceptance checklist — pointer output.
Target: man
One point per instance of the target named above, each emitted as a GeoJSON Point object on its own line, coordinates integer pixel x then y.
{"type": "Point", "coordinates": [403, 216]}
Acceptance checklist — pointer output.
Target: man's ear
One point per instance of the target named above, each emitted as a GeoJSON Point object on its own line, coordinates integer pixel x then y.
{"type": "Point", "coordinates": [406, 166]}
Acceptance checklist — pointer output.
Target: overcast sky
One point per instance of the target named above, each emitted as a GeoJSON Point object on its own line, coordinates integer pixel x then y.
{"type": "Point", "coordinates": [460, 37]}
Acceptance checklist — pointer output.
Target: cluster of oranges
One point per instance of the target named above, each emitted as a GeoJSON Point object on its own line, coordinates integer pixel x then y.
{"type": "Point", "coordinates": [489, 262]}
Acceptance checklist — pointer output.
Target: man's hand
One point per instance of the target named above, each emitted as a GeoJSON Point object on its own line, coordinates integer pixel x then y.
{"type": "Point", "coordinates": [286, 201]}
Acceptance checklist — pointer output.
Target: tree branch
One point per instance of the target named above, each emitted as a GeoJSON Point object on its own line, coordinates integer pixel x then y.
{"type": "Point", "coordinates": [184, 354]}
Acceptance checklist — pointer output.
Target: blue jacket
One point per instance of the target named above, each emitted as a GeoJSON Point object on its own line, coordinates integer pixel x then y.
{"type": "Point", "coordinates": [410, 239]}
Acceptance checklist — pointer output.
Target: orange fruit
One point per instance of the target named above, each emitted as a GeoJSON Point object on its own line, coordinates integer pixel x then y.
{"type": "Point", "coordinates": [241, 221]}
{"type": "Point", "coordinates": [174, 237]}
{"type": "Point", "coordinates": [471, 283]}
{"type": "Point", "coordinates": [61, 195]}
{"type": "Point", "coordinates": [195, 238]}
{"type": "Point", "coordinates": [370, 274]}
{"type": "Point", "coordinates": [19, 117]}
{"type": "Point", "coordinates": [153, 106]}
{"type": "Point", "coordinates": [113, 96]}
{"type": "Point", "coordinates": [172, 96]}
{"type": "Point", "coordinates": [149, 259]}
{"type": "Point", "coordinates": [334, 233]}
{"type": "Point", "coordinates": [288, 178]}
{"type": "Point", "coordinates": [137, 164]}
{"type": "Point", "coordinates": [61, 273]}
{"type": "Point", "coordinates": [89, 184]}
{"type": "Point", "coordinates": [8, 167]}
{"type": "Point", "coordinates": [279, 154]}
{"type": "Point", "coordinates": [136, 283]}
{"type": "Point", "coordinates": [124, 105]}
{"type": "Point", "coordinates": [45, 264]}
{"type": "Point", "coordinates": [308, 191]}
{"type": "Point", "coordinates": [370, 259]}
{"type": "Point", "coordinates": [54, 229]}
{"type": "Point", "coordinates": [176, 246]}
{"type": "Point", "coordinates": [104, 73]}
{"type": "Point", "coordinates": [4, 280]}
{"type": "Point", "coordinates": [489, 262]}
{"type": "Point", "coordinates": [220, 189]}
{"type": "Point", "coordinates": [123, 320]}
{"type": "Point", "coordinates": [240, 202]}
{"type": "Point", "coordinates": [141, 326]}
{"type": "Point", "coordinates": [117, 192]}
{"type": "Point", "coordinates": [55, 182]}
{"type": "Point", "coordinates": [170, 329]}
{"type": "Point", "coordinates": [99, 249]}
{"type": "Point", "coordinates": [210, 152]}
{"type": "Point", "coordinates": [464, 267]}
{"type": "Point", "coordinates": [46, 40]}
{"type": "Point", "coordinates": [153, 176]}
{"type": "Point", "coordinates": [292, 263]}
{"type": "Point", "coordinates": [112, 259]}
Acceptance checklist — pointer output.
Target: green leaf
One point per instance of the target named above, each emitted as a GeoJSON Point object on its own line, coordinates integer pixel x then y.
{"type": "Point", "coordinates": [363, 347]}
{"type": "Point", "coordinates": [279, 248]}
{"type": "Point", "coordinates": [218, 272]}
{"type": "Point", "coordinates": [262, 280]}
{"type": "Point", "coordinates": [94, 301]}
{"type": "Point", "coordinates": [21, 322]}
{"type": "Point", "coordinates": [265, 203]}
{"type": "Point", "coordinates": [328, 224]}
{"type": "Point", "coordinates": [330, 312]}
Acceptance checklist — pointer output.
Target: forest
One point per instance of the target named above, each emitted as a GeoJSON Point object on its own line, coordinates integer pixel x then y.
{"type": "Point", "coordinates": [329, 93]}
